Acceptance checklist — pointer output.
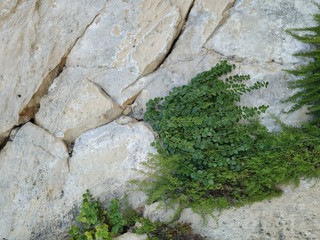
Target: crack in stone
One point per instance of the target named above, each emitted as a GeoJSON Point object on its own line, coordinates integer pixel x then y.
{"type": "Point", "coordinates": [237, 59]}
{"type": "Point", "coordinates": [177, 37]}
{"type": "Point", "coordinates": [45, 150]}
{"type": "Point", "coordinates": [4, 142]}
{"type": "Point", "coordinates": [70, 147]}
{"type": "Point", "coordinates": [225, 16]}
{"type": "Point", "coordinates": [103, 92]}
{"type": "Point", "coordinates": [30, 110]}
{"type": "Point", "coordinates": [167, 54]}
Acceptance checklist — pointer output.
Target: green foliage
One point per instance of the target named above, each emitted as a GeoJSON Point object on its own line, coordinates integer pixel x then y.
{"type": "Point", "coordinates": [91, 221]}
{"type": "Point", "coordinates": [308, 82]}
{"type": "Point", "coordinates": [115, 217]}
{"type": "Point", "coordinates": [213, 153]}
{"type": "Point", "coordinates": [165, 231]}
{"type": "Point", "coordinates": [198, 123]}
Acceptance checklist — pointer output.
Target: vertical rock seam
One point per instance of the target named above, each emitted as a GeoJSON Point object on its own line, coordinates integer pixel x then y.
{"type": "Point", "coordinates": [178, 35]}
{"type": "Point", "coordinates": [131, 100]}
{"type": "Point", "coordinates": [29, 111]}
{"type": "Point", "coordinates": [225, 15]}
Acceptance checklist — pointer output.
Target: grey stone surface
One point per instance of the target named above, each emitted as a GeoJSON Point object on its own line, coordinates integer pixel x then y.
{"type": "Point", "coordinates": [109, 58]}
{"type": "Point", "coordinates": [33, 171]}
{"type": "Point", "coordinates": [35, 37]}
{"type": "Point", "coordinates": [295, 215]}
{"type": "Point", "coordinates": [74, 104]}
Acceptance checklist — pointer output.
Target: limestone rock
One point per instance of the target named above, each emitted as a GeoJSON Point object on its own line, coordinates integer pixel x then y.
{"type": "Point", "coordinates": [135, 28]}
{"type": "Point", "coordinates": [33, 169]}
{"type": "Point", "coordinates": [246, 39]}
{"type": "Point", "coordinates": [74, 105]}
{"type": "Point", "coordinates": [295, 215]}
{"type": "Point", "coordinates": [106, 158]}
{"type": "Point", "coordinates": [40, 197]}
{"type": "Point", "coordinates": [257, 31]}
{"type": "Point", "coordinates": [114, 55]}
{"type": "Point", "coordinates": [6, 7]}
{"type": "Point", "coordinates": [35, 38]}
{"type": "Point", "coordinates": [159, 212]}
{"type": "Point", "coordinates": [132, 236]}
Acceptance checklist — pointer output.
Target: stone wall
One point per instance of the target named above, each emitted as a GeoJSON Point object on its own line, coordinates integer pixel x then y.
{"type": "Point", "coordinates": [74, 80]}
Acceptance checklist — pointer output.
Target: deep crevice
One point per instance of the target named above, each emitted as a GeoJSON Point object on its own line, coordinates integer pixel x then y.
{"type": "Point", "coordinates": [11, 137]}
{"type": "Point", "coordinates": [176, 38]}
{"type": "Point", "coordinates": [164, 58]}
{"type": "Point", "coordinates": [30, 110]}
{"type": "Point", "coordinates": [5, 141]}
{"type": "Point", "coordinates": [225, 16]}
{"type": "Point", "coordinates": [70, 146]}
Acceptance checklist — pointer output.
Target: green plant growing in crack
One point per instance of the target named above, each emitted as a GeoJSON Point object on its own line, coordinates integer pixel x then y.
{"type": "Point", "coordinates": [94, 223]}
{"type": "Point", "coordinates": [214, 153]}
{"type": "Point", "coordinates": [115, 217]}
{"type": "Point", "coordinates": [308, 75]}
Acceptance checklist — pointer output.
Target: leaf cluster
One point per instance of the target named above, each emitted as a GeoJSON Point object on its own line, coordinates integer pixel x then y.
{"type": "Point", "coordinates": [200, 124]}
{"type": "Point", "coordinates": [94, 221]}
{"type": "Point", "coordinates": [115, 217]}
{"type": "Point", "coordinates": [308, 82]}
{"type": "Point", "coordinates": [213, 153]}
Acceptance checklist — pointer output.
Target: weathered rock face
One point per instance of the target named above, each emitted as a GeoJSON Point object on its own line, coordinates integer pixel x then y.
{"type": "Point", "coordinates": [253, 25]}
{"type": "Point", "coordinates": [35, 39]}
{"type": "Point", "coordinates": [132, 236]}
{"type": "Point", "coordinates": [41, 187]}
{"type": "Point", "coordinates": [113, 62]}
{"type": "Point", "coordinates": [118, 59]}
{"type": "Point", "coordinates": [92, 64]}
{"type": "Point", "coordinates": [33, 172]}
{"type": "Point", "coordinates": [75, 105]}
{"type": "Point", "coordinates": [106, 158]}
{"type": "Point", "coordinates": [295, 215]}
{"type": "Point", "coordinates": [253, 38]}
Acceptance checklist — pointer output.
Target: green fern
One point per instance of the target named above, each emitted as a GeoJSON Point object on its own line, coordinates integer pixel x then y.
{"type": "Point", "coordinates": [308, 82]}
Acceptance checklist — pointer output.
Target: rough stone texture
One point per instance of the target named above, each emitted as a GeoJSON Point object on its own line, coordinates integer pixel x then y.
{"type": "Point", "coordinates": [254, 24]}
{"type": "Point", "coordinates": [75, 105]}
{"type": "Point", "coordinates": [271, 96]}
{"type": "Point", "coordinates": [253, 38]}
{"type": "Point", "coordinates": [106, 158]}
{"type": "Point", "coordinates": [187, 57]}
{"type": "Point", "coordinates": [33, 170]}
{"type": "Point", "coordinates": [119, 59]}
{"type": "Point", "coordinates": [40, 196]}
{"type": "Point", "coordinates": [116, 55]}
{"type": "Point", "coordinates": [295, 215]}
{"type": "Point", "coordinates": [132, 236]}
{"type": "Point", "coordinates": [35, 38]}
{"type": "Point", "coordinates": [159, 212]}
